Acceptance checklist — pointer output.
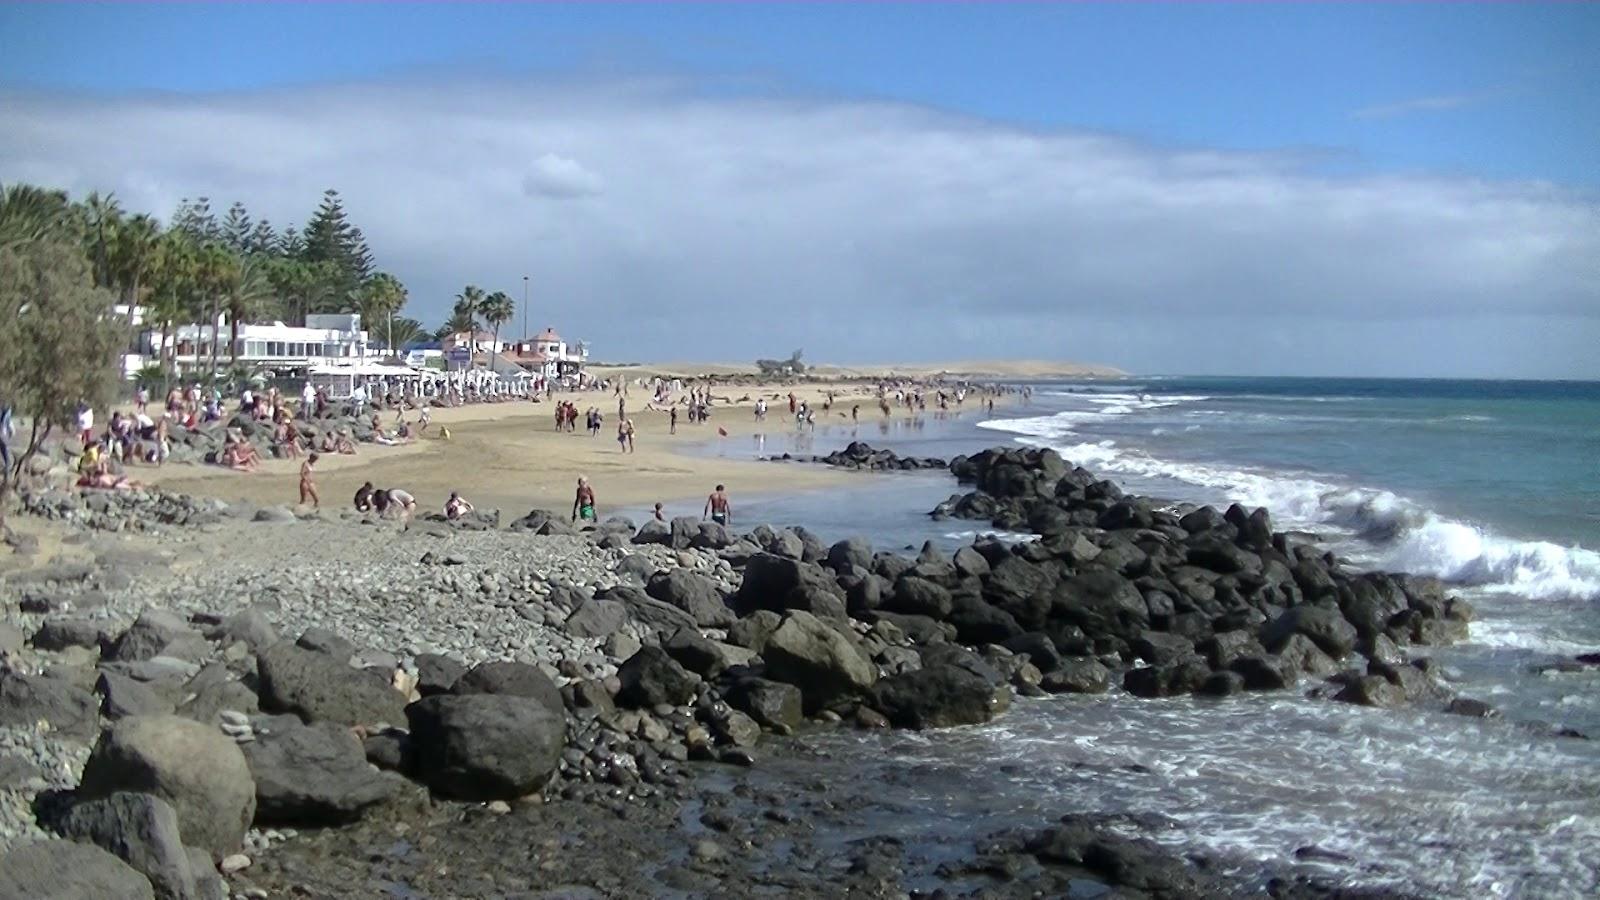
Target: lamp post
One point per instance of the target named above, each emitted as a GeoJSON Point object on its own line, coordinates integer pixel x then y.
{"type": "Point", "coordinates": [524, 307]}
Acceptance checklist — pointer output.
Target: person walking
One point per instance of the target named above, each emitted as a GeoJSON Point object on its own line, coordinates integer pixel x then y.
{"type": "Point", "coordinates": [308, 485]}
{"type": "Point", "coordinates": [718, 508]}
{"type": "Point", "coordinates": [583, 503]}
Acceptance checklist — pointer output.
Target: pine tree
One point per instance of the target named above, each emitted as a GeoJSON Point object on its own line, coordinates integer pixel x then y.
{"type": "Point", "coordinates": [290, 244]}
{"type": "Point", "coordinates": [330, 239]}
{"type": "Point", "coordinates": [194, 218]}
{"type": "Point", "coordinates": [236, 228]}
{"type": "Point", "coordinates": [263, 239]}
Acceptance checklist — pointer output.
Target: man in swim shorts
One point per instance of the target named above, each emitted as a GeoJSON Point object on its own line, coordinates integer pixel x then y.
{"type": "Point", "coordinates": [718, 507]}
{"type": "Point", "coordinates": [583, 503]}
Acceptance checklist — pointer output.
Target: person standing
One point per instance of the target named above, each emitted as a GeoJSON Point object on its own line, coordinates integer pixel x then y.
{"type": "Point", "coordinates": [718, 507]}
{"type": "Point", "coordinates": [583, 503]}
{"type": "Point", "coordinates": [308, 486]}
{"type": "Point", "coordinates": [672, 421]}
{"type": "Point", "coordinates": [622, 435]}
{"type": "Point", "coordinates": [629, 425]}
{"type": "Point", "coordinates": [8, 428]}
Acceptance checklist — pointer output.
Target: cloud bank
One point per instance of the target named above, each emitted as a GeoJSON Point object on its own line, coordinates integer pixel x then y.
{"type": "Point", "coordinates": [659, 222]}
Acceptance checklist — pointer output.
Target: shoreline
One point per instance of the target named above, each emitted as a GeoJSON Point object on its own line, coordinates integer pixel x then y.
{"type": "Point", "coordinates": [508, 456]}
{"type": "Point", "coordinates": [355, 565]}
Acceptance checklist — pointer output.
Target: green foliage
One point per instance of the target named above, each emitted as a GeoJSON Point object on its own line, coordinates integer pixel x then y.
{"type": "Point", "coordinates": [60, 347]}
{"type": "Point", "coordinates": [496, 309]}
{"type": "Point", "coordinates": [237, 229]}
{"type": "Point", "coordinates": [29, 214]}
{"type": "Point", "coordinates": [330, 238]}
{"type": "Point", "coordinates": [404, 332]}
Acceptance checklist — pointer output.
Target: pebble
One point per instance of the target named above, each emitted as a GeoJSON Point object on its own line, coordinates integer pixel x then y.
{"type": "Point", "coordinates": [235, 863]}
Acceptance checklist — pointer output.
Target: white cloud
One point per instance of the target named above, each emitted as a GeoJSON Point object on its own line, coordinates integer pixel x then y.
{"type": "Point", "coordinates": [557, 176]}
{"type": "Point", "coordinates": [737, 227]}
{"type": "Point", "coordinates": [1436, 103]}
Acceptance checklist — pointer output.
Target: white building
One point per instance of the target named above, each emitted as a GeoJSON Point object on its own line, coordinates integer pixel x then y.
{"type": "Point", "coordinates": [324, 340]}
{"type": "Point", "coordinates": [548, 355]}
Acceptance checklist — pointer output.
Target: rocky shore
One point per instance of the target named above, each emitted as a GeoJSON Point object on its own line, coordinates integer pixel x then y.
{"type": "Point", "coordinates": [199, 697]}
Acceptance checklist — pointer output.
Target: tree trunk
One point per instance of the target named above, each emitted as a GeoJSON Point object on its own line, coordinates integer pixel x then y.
{"type": "Point", "coordinates": [216, 313]}
{"type": "Point", "coordinates": [233, 341]}
{"type": "Point", "coordinates": [9, 477]}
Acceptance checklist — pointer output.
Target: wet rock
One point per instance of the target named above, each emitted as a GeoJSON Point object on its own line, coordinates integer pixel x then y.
{"type": "Point", "coordinates": [938, 696]}
{"type": "Point", "coordinates": [1372, 690]}
{"type": "Point", "coordinates": [194, 767]}
{"type": "Point", "coordinates": [1266, 672]}
{"type": "Point", "coordinates": [772, 704]}
{"type": "Point", "coordinates": [1324, 627]}
{"type": "Point", "coordinates": [1183, 676]}
{"type": "Point", "coordinates": [1159, 648]}
{"type": "Point", "coordinates": [1078, 675]}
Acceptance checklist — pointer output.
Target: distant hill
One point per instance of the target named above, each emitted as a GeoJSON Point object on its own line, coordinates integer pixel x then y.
{"type": "Point", "coordinates": [977, 369]}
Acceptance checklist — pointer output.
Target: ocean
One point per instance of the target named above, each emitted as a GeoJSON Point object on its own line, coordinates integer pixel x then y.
{"type": "Point", "coordinates": [1493, 486]}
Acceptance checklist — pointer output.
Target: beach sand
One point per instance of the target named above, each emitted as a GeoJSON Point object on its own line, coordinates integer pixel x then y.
{"type": "Point", "coordinates": [509, 456]}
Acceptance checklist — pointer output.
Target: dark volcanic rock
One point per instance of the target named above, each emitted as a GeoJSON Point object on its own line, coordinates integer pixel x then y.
{"type": "Point", "coordinates": [67, 870]}
{"type": "Point", "coordinates": [27, 699]}
{"type": "Point", "coordinates": [1080, 675]}
{"type": "Point", "coordinates": [1183, 676]}
{"type": "Point", "coordinates": [437, 673]}
{"type": "Point", "coordinates": [772, 704]}
{"type": "Point", "coordinates": [693, 593]}
{"type": "Point", "coordinates": [484, 746]}
{"type": "Point", "coordinates": [1324, 627]}
{"type": "Point", "coordinates": [517, 679]}
{"type": "Point", "coordinates": [652, 677]}
{"type": "Point", "coordinates": [312, 774]}
{"type": "Point", "coordinates": [141, 830]}
{"type": "Point", "coordinates": [938, 696]}
{"type": "Point", "coordinates": [317, 687]}
{"type": "Point", "coordinates": [822, 662]}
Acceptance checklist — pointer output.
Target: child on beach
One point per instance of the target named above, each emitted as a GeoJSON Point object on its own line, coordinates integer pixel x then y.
{"type": "Point", "coordinates": [456, 507]}
{"type": "Point", "coordinates": [308, 487]}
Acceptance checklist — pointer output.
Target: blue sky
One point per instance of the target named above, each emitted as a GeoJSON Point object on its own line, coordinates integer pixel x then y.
{"type": "Point", "coordinates": [1511, 86]}
{"type": "Point", "coordinates": [1325, 114]}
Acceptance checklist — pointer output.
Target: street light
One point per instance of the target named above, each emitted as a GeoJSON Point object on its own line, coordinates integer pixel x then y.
{"type": "Point", "coordinates": [524, 307]}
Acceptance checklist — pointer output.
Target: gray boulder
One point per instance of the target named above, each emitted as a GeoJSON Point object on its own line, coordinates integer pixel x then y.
{"type": "Point", "coordinates": [819, 660]}
{"type": "Point", "coordinates": [139, 829]}
{"type": "Point", "coordinates": [437, 674]}
{"type": "Point", "coordinates": [321, 640]}
{"type": "Point", "coordinates": [484, 747]}
{"type": "Point", "coordinates": [68, 870]}
{"type": "Point", "coordinates": [26, 700]}
{"type": "Point", "coordinates": [194, 767]}
{"type": "Point", "coordinates": [59, 634]}
{"type": "Point", "coordinates": [121, 696]}
{"type": "Point", "coordinates": [250, 626]}
{"type": "Point", "coordinates": [151, 635]}
{"type": "Point", "coordinates": [693, 593]}
{"type": "Point", "coordinates": [514, 678]}
{"type": "Point", "coordinates": [317, 688]}
{"type": "Point", "coordinates": [596, 618]}
{"type": "Point", "coordinates": [651, 677]}
{"type": "Point", "coordinates": [1077, 675]}
{"type": "Point", "coordinates": [653, 532]}
{"type": "Point", "coordinates": [850, 553]}
{"type": "Point", "coordinates": [312, 774]}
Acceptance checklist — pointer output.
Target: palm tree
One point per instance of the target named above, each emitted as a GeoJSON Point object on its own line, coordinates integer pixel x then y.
{"type": "Point", "coordinates": [403, 331]}
{"type": "Point", "coordinates": [218, 269]}
{"type": "Point", "coordinates": [469, 306]}
{"type": "Point", "coordinates": [249, 295]}
{"type": "Point", "coordinates": [29, 213]}
{"type": "Point", "coordinates": [133, 249]}
{"type": "Point", "coordinates": [496, 309]}
{"type": "Point", "coordinates": [101, 218]}
{"type": "Point", "coordinates": [460, 320]}
{"type": "Point", "coordinates": [379, 298]}
{"type": "Point", "coordinates": [171, 275]}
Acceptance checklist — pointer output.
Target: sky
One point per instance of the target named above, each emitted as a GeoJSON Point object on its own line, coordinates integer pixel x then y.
{"type": "Point", "coordinates": [1253, 188]}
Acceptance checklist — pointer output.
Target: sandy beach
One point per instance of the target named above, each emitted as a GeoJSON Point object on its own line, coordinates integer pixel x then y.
{"type": "Point", "coordinates": [509, 455]}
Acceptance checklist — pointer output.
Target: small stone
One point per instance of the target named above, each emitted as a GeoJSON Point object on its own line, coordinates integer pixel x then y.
{"type": "Point", "coordinates": [498, 807]}
{"type": "Point", "coordinates": [237, 862]}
